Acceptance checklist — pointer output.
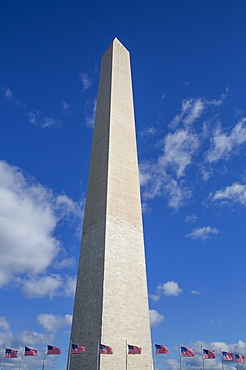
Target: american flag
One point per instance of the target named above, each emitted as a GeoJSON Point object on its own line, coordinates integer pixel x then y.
{"type": "Point", "coordinates": [106, 350]}
{"type": "Point", "coordinates": [30, 352]}
{"type": "Point", "coordinates": [77, 349]}
{"type": "Point", "coordinates": [134, 350]}
{"type": "Point", "coordinates": [207, 354]}
{"type": "Point", "coordinates": [10, 353]}
{"type": "Point", "coordinates": [227, 356]}
{"type": "Point", "coordinates": [161, 349]}
{"type": "Point", "coordinates": [53, 350]}
{"type": "Point", "coordinates": [187, 352]}
{"type": "Point", "coordinates": [239, 358]}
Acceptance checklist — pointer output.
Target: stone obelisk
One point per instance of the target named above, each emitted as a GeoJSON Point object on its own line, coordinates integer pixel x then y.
{"type": "Point", "coordinates": [111, 302]}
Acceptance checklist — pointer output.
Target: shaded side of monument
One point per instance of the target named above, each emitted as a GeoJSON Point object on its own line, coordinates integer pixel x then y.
{"type": "Point", "coordinates": [111, 301]}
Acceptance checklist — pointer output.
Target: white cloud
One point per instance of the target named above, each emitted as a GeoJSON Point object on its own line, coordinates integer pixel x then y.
{"type": "Point", "coordinates": [236, 193]}
{"type": "Point", "coordinates": [52, 323]}
{"type": "Point", "coordinates": [155, 318]}
{"type": "Point", "coordinates": [85, 80]}
{"type": "Point", "coordinates": [8, 94]}
{"type": "Point", "coordinates": [222, 144]}
{"type": "Point", "coordinates": [192, 109]}
{"type": "Point", "coordinates": [29, 214]}
{"type": "Point", "coordinates": [10, 97]}
{"type": "Point", "coordinates": [215, 323]}
{"type": "Point", "coordinates": [178, 194]}
{"type": "Point", "coordinates": [196, 292]}
{"type": "Point", "coordinates": [191, 218]}
{"type": "Point", "coordinates": [36, 119]}
{"type": "Point", "coordinates": [66, 107]}
{"type": "Point", "coordinates": [178, 150]}
{"type": "Point", "coordinates": [165, 176]}
{"type": "Point", "coordinates": [171, 288]}
{"type": "Point", "coordinates": [205, 232]}
{"type": "Point", "coordinates": [155, 297]}
{"type": "Point", "coordinates": [49, 122]}
{"type": "Point", "coordinates": [4, 323]}
{"type": "Point", "coordinates": [67, 207]}
{"type": "Point", "coordinates": [148, 132]}
{"type": "Point", "coordinates": [32, 339]}
{"type": "Point", "coordinates": [48, 285]}
{"type": "Point", "coordinates": [64, 263]}
{"type": "Point", "coordinates": [16, 340]}
{"type": "Point", "coordinates": [90, 112]}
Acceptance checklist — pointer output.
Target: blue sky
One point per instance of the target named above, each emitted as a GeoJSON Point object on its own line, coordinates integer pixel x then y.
{"type": "Point", "coordinates": [188, 67]}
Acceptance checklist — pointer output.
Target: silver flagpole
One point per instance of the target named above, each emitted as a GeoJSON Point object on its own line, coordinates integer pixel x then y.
{"type": "Point", "coordinates": [126, 353]}
{"type": "Point", "coordinates": [69, 354]}
{"type": "Point", "coordinates": [203, 365]}
{"type": "Point", "coordinates": [154, 355]}
{"type": "Point", "coordinates": [45, 354]}
{"type": "Point", "coordinates": [235, 357]}
{"type": "Point", "coordinates": [222, 361]}
{"type": "Point", "coordinates": [98, 354]}
{"type": "Point", "coordinates": [180, 358]}
{"type": "Point", "coordinates": [22, 357]}
{"type": "Point", "coordinates": [1, 365]}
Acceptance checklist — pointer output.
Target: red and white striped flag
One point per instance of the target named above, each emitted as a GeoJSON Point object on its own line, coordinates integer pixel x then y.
{"type": "Point", "coordinates": [106, 350]}
{"type": "Point", "coordinates": [207, 354]}
{"type": "Point", "coordinates": [77, 349]}
{"type": "Point", "coordinates": [239, 358]}
{"type": "Point", "coordinates": [187, 352]}
{"type": "Point", "coordinates": [134, 350]}
{"type": "Point", "coordinates": [161, 349]}
{"type": "Point", "coordinates": [30, 352]}
{"type": "Point", "coordinates": [227, 356]}
{"type": "Point", "coordinates": [10, 353]}
{"type": "Point", "coordinates": [53, 350]}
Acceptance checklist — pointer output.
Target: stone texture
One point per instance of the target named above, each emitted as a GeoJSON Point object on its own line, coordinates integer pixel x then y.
{"type": "Point", "coordinates": [111, 302]}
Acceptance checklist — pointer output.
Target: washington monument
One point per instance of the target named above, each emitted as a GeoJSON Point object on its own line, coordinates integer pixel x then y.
{"type": "Point", "coordinates": [111, 301]}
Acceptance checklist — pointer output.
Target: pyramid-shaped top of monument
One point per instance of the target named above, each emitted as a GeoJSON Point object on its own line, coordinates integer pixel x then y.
{"type": "Point", "coordinates": [116, 41]}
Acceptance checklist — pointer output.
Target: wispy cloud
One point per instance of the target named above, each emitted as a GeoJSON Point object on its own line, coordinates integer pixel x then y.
{"type": "Point", "coordinates": [215, 323]}
{"type": "Point", "coordinates": [8, 94]}
{"type": "Point", "coordinates": [205, 232]}
{"type": "Point", "coordinates": [52, 323]}
{"type": "Point", "coordinates": [197, 292]}
{"type": "Point", "coordinates": [90, 112]}
{"type": "Point", "coordinates": [36, 119]}
{"type": "Point", "coordinates": [222, 144]}
{"type": "Point", "coordinates": [85, 80]}
{"type": "Point", "coordinates": [191, 218]}
{"type": "Point", "coordinates": [66, 107]}
{"type": "Point", "coordinates": [167, 175]}
{"type": "Point", "coordinates": [148, 132]}
{"type": "Point", "coordinates": [53, 285]}
{"type": "Point", "coordinates": [178, 150]}
{"type": "Point", "coordinates": [11, 98]}
{"type": "Point", "coordinates": [155, 318]}
{"type": "Point", "coordinates": [235, 194]}
{"type": "Point", "coordinates": [192, 109]}
{"type": "Point", "coordinates": [4, 323]}
{"type": "Point", "coordinates": [155, 297]}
